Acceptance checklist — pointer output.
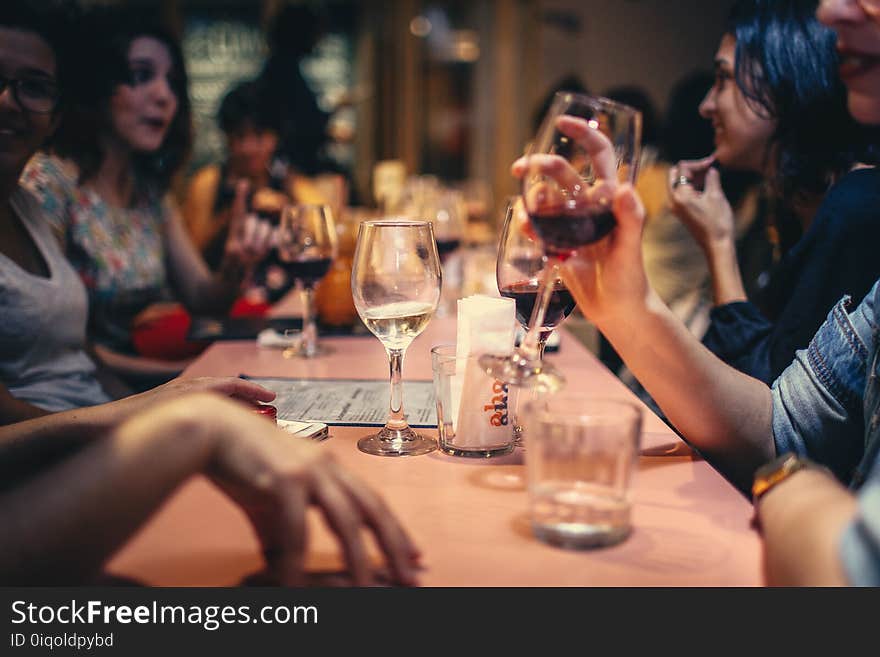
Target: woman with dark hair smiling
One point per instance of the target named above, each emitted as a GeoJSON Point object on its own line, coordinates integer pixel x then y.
{"type": "Point", "coordinates": [123, 138]}
{"type": "Point", "coordinates": [778, 108]}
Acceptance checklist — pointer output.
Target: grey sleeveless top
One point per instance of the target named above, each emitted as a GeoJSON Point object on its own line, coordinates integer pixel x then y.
{"type": "Point", "coordinates": [43, 324]}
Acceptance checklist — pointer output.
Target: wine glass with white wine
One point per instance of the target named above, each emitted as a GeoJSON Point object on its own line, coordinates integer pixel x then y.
{"type": "Point", "coordinates": [395, 282]}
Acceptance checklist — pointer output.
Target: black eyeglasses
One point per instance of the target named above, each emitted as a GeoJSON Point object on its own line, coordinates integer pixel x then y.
{"type": "Point", "coordinates": [32, 94]}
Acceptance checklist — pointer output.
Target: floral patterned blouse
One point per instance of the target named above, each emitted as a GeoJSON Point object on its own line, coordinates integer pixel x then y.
{"type": "Point", "coordinates": [118, 252]}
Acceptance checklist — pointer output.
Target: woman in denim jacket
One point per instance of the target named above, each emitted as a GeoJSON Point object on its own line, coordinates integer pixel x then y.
{"type": "Point", "coordinates": [824, 405]}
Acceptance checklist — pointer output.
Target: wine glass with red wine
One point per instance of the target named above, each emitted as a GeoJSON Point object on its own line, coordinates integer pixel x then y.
{"type": "Point", "coordinates": [306, 249]}
{"type": "Point", "coordinates": [447, 212]}
{"type": "Point", "coordinates": [586, 146]}
{"type": "Point", "coordinates": [448, 217]}
{"type": "Point", "coordinates": [520, 270]}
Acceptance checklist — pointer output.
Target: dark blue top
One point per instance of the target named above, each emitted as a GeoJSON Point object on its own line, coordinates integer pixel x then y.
{"type": "Point", "coordinates": [836, 256]}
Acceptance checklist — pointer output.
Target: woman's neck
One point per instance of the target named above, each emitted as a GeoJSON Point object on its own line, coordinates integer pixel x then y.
{"type": "Point", "coordinates": [114, 180]}
{"type": "Point", "coordinates": [6, 214]}
{"type": "Point", "coordinates": [260, 181]}
{"type": "Point", "coordinates": [8, 185]}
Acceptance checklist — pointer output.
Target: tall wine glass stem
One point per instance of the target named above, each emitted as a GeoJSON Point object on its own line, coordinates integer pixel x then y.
{"type": "Point", "coordinates": [396, 419]}
{"type": "Point", "coordinates": [542, 344]}
{"type": "Point", "coordinates": [532, 347]}
{"type": "Point", "coordinates": [309, 345]}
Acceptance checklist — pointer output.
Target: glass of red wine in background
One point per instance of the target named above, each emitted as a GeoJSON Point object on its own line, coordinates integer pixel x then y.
{"type": "Point", "coordinates": [584, 148]}
{"type": "Point", "coordinates": [267, 203]}
{"type": "Point", "coordinates": [448, 217]}
{"type": "Point", "coordinates": [448, 213]}
{"type": "Point", "coordinates": [520, 271]}
{"type": "Point", "coordinates": [306, 249]}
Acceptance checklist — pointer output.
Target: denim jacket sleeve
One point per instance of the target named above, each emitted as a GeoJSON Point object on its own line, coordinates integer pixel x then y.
{"type": "Point", "coordinates": [818, 399]}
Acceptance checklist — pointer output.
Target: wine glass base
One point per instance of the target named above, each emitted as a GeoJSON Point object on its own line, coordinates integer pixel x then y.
{"type": "Point", "coordinates": [397, 442]}
{"type": "Point", "coordinates": [518, 431]}
{"type": "Point", "coordinates": [516, 370]}
{"type": "Point", "coordinates": [478, 453]}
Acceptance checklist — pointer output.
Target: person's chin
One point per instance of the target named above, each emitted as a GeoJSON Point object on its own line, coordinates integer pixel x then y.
{"type": "Point", "coordinates": [735, 160]}
{"type": "Point", "coordinates": [10, 164]}
{"type": "Point", "coordinates": [865, 107]}
{"type": "Point", "coordinates": [723, 155]}
{"type": "Point", "coordinates": [147, 146]}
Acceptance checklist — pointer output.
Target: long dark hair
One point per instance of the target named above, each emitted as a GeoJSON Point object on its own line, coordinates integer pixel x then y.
{"type": "Point", "coordinates": [102, 65]}
{"type": "Point", "coordinates": [786, 67]}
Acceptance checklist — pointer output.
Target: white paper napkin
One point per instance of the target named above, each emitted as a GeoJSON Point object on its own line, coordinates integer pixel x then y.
{"type": "Point", "coordinates": [479, 404]}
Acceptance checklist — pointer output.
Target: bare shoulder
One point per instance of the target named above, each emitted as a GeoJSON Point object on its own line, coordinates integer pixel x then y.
{"type": "Point", "coordinates": [205, 180]}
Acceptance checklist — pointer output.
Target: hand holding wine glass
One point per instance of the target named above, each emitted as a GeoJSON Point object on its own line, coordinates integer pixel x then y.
{"type": "Point", "coordinates": [395, 282]}
{"type": "Point", "coordinates": [608, 278]}
{"type": "Point", "coordinates": [584, 148]}
{"type": "Point", "coordinates": [306, 248]}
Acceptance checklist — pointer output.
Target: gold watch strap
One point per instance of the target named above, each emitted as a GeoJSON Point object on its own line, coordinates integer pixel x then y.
{"type": "Point", "coordinates": [769, 475]}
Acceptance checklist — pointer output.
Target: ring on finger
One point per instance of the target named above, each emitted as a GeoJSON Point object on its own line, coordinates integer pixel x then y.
{"type": "Point", "coordinates": [681, 180]}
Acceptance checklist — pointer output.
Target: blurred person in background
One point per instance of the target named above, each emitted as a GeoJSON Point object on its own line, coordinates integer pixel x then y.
{"type": "Point", "coordinates": [301, 123]}
{"type": "Point", "coordinates": [251, 143]}
{"type": "Point", "coordinates": [250, 146]}
{"type": "Point", "coordinates": [122, 138]}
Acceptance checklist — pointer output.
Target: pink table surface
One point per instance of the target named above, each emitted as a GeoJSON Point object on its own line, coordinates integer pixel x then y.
{"type": "Point", "coordinates": [691, 528]}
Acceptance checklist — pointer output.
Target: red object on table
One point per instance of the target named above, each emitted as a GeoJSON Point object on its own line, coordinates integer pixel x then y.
{"type": "Point", "coordinates": [266, 410]}
{"type": "Point", "coordinates": [163, 336]}
{"type": "Point", "coordinates": [245, 307]}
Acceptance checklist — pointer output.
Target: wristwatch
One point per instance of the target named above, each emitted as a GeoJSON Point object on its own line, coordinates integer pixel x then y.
{"type": "Point", "coordinates": [777, 471]}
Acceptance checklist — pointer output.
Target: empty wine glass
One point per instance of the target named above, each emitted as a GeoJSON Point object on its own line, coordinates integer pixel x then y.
{"type": "Point", "coordinates": [584, 148]}
{"type": "Point", "coordinates": [306, 248]}
{"type": "Point", "coordinates": [395, 283]}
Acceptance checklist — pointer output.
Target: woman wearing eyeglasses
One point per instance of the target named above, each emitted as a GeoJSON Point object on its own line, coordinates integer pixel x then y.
{"type": "Point", "coordinates": [43, 365]}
